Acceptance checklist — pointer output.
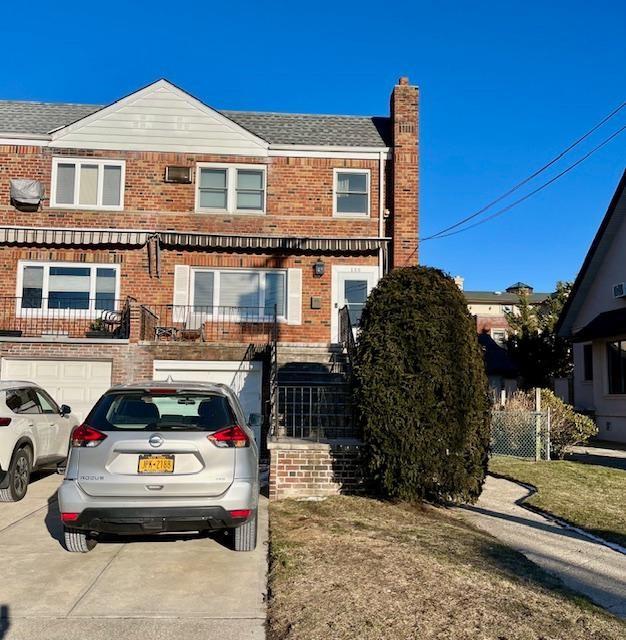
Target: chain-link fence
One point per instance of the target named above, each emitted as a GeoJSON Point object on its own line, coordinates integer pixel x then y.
{"type": "Point", "coordinates": [524, 434]}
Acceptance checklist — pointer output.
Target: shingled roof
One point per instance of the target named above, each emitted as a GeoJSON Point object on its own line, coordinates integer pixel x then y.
{"type": "Point", "coordinates": [40, 118]}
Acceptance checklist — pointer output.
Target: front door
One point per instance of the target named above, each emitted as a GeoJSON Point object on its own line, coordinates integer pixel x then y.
{"type": "Point", "coordinates": [351, 286]}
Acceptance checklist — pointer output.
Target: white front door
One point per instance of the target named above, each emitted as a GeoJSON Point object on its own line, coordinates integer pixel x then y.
{"type": "Point", "coordinates": [350, 287]}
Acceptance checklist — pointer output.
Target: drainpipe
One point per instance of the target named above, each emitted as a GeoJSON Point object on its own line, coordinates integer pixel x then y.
{"type": "Point", "coordinates": [381, 210]}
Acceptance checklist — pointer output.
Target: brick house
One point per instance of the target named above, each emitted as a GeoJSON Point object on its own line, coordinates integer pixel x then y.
{"type": "Point", "coordinates": [157, 237]}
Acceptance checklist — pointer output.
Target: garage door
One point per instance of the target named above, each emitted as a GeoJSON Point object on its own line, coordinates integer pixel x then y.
{"type": "Point", "coordinates": [77, 383]}
{"type": "Point", "coordinates": [245, 378]}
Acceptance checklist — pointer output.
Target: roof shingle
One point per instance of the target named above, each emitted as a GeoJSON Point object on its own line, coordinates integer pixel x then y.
{"type": "Point", "coordinates": [40, 118]}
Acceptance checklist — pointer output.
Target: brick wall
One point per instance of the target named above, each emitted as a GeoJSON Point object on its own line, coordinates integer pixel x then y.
{"type": "Point", "coordinates": [405, 176]}
{"type": "Point", "coordinates": [299, 195]}
{"type": "Point", "coordinates": [135, 280]}
{"type": "Point", "coordinates": [313, 469]}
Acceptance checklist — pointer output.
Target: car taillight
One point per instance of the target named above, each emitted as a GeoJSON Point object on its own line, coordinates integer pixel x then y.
{"type": "Point", "coordinates": [240, 514]}
{"type": "Point", "coordinates": [230, 437]}
{"type": "Point", "coordinates": [69, 517]}
{"type": "Point", "coordinates": [5, 422]}
{"type": "Point", "coordinates": [86, 436]}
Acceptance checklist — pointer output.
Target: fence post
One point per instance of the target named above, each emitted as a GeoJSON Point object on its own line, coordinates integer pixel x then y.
{"type": "Point", "coordinates": [548, 435]}
{"type": "Point", "coordinates": [537, 424]}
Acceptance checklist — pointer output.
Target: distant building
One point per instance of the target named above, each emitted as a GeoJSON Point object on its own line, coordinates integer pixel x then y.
{"type": "Point", "coordinates": [489, 307]}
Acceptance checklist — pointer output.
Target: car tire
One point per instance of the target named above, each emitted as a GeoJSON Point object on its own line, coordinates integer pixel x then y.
{"type": "Point", "coordinates": [245, 535]}
{"type": "Point", "coordinates": [78, 541]}
{"type": "Point", "coordinates": [19, 477]}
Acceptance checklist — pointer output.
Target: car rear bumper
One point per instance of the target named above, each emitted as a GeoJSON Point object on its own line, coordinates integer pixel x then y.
{"type": "Point", "coordinates": [156, 514]}
{"type": "Point", "coordinates": [148, 520]}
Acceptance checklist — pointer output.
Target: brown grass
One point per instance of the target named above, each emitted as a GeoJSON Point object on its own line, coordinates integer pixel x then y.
{"type": "Point", "coordinates": [363, 569]}
{"type": "Point", "coordinates": [589, 496]}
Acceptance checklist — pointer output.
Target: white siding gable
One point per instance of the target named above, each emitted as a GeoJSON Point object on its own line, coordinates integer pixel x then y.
{"type": "Point", "coordinates": [596, 293]}
{"type": "Point", "coordinates": [160, 117]}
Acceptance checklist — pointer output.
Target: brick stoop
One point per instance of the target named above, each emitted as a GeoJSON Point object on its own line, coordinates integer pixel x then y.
{"type": "Point", "coordinates": [299, 468]}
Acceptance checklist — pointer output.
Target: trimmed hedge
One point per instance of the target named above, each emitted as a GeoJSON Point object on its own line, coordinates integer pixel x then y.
{"type": "Point", "coordinates": [421, 390]}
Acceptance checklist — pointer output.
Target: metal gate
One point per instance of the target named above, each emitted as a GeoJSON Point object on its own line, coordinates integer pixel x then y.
{"type": "Point", "coordinates": [523, 434]}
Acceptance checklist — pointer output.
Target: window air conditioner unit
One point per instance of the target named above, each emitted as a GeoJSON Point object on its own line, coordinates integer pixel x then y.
{"type": "Point", "coordinates": [179, 175]}
{"type": "Point", "coordinates": [619, 290]}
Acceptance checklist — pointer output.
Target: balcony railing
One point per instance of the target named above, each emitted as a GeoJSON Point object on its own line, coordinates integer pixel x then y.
{"type": "Point", "coordinates": [198, 323]}
{"type": "Point", "coordinates": [36, 317]}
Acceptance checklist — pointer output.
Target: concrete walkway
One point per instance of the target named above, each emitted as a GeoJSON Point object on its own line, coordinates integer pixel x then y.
{"type": "Point", "coordinates": [180, 586]}
{"type": "Point", "coordinates": [583, 565]}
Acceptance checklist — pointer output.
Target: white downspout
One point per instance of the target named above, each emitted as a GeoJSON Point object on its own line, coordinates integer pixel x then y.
{"type": "Point", "coordinates": [381, 211]}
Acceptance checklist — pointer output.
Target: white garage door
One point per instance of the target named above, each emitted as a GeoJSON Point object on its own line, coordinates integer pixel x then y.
{"type": "Point", "coordinates": [245, 378]}
{"type": "Point", "coordinates": [77, 383]}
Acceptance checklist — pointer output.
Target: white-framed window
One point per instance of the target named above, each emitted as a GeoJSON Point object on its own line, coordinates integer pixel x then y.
{"type": "Point", "coordinates": [49, 288]}
{"type": "Point", "coordinates": [499, 336]}
{"type": "Point", "coordinates": [230, 188]}
{"type": "Point", "coordinates": [351, 192]}
{"type": "Point", "coordinates": [88, 183]}
{"type": "Point", "coordinates": [251, 293]}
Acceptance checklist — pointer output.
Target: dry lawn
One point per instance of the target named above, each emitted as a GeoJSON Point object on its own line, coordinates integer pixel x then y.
{"type": "Point", "coordinates": [589, 496]}
{"type": "Point", "coordinates": [359, 568]}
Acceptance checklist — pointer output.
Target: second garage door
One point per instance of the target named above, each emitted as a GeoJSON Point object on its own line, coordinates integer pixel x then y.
{"type": "Point", "coordinates": [244, 378]}
{"type": "Point", "coordinates": [77, 383]}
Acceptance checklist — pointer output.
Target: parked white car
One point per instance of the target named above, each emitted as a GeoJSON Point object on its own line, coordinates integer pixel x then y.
{"type": "Point", "coordinates": [34, 433]}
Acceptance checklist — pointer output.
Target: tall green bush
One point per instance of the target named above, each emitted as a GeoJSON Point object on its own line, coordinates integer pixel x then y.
{"type": "Point", "coordinates": [421, 390]}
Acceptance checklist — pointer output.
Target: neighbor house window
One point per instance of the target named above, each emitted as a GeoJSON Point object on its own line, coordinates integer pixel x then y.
{"type": "Point", "coordinates": [52, 286]}
{"type": "Point", "coordinates": [253, 293]}
{"type": "Point", "coordinates": [230, 188]}
{"type": "Point", "coordinates": [587, 363]}
{"type": "Point", "coordinates": [351, 197]}
{"type": "Point", "coordinates": [616, 358]}
{"type": "Point", "coordinates": [87, 184]}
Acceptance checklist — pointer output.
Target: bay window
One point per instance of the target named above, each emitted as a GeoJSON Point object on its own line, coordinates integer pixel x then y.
{"type": "Point", "coordinates": [87, 183]}
{"type": "Point", "coordinates": [233, 189]}
{"type": "Point", "coordinates": [53, 286]}
{"type": "Point", "coordinates": [252, 293]}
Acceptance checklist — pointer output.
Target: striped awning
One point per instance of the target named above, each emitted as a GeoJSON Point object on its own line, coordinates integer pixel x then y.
{"type": "Point", "coordinates": [100, 237]}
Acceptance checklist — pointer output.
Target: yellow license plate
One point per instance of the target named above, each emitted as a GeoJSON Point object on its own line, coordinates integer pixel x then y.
{"type": "Point", "coordinates": [149, 463]}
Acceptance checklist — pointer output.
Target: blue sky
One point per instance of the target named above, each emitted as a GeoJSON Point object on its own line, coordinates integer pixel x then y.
{"type": "Point", "coordinates": [504, 87]}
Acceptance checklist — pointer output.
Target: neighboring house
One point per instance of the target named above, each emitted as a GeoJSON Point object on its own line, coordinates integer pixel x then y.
{"type": "Point", "coordinates": [157, 236]}
{"type": "Point", "coordinates": [489, 308]}
{"type": "Point", "coordinates": [594, 318]}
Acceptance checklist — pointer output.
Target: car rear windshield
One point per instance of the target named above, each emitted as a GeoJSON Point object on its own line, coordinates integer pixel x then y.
{"type": "Point", "coordinates": [161, 411]}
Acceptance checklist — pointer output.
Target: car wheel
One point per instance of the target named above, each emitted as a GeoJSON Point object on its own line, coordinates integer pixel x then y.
{"type": "Point", "coordinates": [78, 541]}
{"type": "Point", "coordinates": [245, 536]}
{"type": "Point", "coordinates": [19, 477]}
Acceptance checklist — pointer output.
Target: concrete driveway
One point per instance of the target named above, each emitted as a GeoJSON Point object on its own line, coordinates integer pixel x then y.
{"type": "Point", "coordinates": [177, 586]}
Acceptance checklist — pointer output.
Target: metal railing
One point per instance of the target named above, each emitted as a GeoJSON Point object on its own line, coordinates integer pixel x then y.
{"type": "Point", "coordinates": [315, 412]}
{"type": "Point", "coordinates": [199, 323]}
{"type": "Point", "coordinates": [523, 434]}
{"type": "Point", "coordinates": [36, 317]}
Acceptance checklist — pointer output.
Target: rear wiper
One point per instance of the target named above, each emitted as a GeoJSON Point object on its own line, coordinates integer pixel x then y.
{"type": "Point", "coordinates": [176, 425]}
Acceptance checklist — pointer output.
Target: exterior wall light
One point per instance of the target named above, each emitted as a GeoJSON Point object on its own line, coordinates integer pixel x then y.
{"type": "Point", "coordinates": [318, 269]}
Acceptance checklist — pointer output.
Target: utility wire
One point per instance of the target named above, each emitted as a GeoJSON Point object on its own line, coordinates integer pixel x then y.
{"type": "Point", "coordinates": [530, 177]}
{"type": "Point", "coordinates": [531, 193]}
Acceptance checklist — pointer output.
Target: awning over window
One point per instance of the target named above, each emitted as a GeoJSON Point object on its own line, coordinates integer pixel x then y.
{"type": "Point", "coordinates": [604, 325]}
{"type": "Point", "coordinates": [99, 237]}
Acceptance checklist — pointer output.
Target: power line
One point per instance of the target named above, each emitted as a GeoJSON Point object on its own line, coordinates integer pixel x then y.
{"type": "Point", "coordinates": [530, 177]}
{"type": "Point", "coordinates": [531, 193]}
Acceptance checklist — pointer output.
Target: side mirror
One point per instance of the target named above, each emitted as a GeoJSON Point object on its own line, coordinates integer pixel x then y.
{"type": "Point", "coordinates": [65, 410]}
{"type": "Point", "coordinates": [255, 419]}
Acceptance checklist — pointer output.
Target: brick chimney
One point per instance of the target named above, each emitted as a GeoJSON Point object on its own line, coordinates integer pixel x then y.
{"type": "Point", "coordinates": [404, 188]}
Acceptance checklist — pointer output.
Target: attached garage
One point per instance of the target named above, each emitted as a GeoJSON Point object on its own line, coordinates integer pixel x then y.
{"type": "Point", "coordinates": [77, 383]}
{"type": "Point", "coordinates": [245, 378]}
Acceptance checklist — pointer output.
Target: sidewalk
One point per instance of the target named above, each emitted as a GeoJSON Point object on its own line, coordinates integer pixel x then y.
{"type": "Point", "coordinates": [584, 565]}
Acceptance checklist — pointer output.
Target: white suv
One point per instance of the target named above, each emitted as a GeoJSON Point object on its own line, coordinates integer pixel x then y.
{"type": "Point", "coordinates": [34, 432]}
